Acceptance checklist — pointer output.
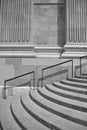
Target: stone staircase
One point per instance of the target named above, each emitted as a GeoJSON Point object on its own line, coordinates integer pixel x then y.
{"type": "Point", "coordinates": [58, 106]}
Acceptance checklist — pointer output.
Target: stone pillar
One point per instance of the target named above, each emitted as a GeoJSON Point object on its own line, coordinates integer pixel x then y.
{"type": "Point", "coordinates": [15, 20]}
{"type": "Point", "coordinates": [61, 24]}
{"type": "Point", "coordinates": [30, 20]}
{"type": "Point", "coordinates": [76, 21]}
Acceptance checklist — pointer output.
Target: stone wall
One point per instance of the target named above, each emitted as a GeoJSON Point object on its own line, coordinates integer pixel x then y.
{"type": "Point", "coordinates": [11, 67]}
{"type": "Point", "coordinates": [41, 22]}
{"type": "Point", "coordinates": [49, 23]}
{"type": "Point", "coordinates": [44, 28]}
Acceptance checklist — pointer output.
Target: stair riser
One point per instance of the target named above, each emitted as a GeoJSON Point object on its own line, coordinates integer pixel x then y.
{"type": "Point", "coordinates": [66, 95]}
{"type": "Point", "coordinates": [47, 124]}
{"type": "Point", "coordinates": [64, 104]}
{"type": "Point", "coordinates": [81, 77]}
{"type": "Point", "coordinates": [80, 81]}
{"type": "Point", "coordinates": [84, 74]}
{"type": "Point", "coordinates": [71, 90]}
{"type": "Point", "coordinates": [58, 113]}
{"type": "Point", "coordinates": [74, 85]}
{"type": "Point", "coordinates": [16, 119]}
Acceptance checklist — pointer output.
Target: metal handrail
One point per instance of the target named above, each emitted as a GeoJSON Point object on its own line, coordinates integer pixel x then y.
{"type": "Point", "coordinates": [32, 72]}
{"type": "Point", "coordinates": [55, 66]}
{"type": "Point", "coordinates": [81, 63]}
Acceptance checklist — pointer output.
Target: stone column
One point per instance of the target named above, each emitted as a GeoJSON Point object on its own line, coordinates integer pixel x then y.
{"type": "Point", "coordinates": [16, 20]}
{"type": "Point", "coordinates": [30, 21]}
{"type": "Point", "coordinates": [61, 24]}
{"type": "Point", "coordinates": [76, 21]}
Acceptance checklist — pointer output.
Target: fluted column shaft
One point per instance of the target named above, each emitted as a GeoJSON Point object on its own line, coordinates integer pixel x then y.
{"type": "Point", "coordinates": [76, 21]}
{"type": "Point", "coordinates": [15, 20]}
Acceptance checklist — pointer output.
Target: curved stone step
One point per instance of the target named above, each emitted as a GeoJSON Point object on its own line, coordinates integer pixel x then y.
{"type": "Point", "coordinates": [74, 84]}
{"type": "Point", "coordinates": [53, 121]}
{"type": "Point", "coordinates": [78, 80]}
{"type": "Point", "coordinates": [70, 88]}
{"type": "Point", "coordinates": [76, 105]}
{"type": "Point", "coordinates": [7, 120]}
{"type": "Point", "coordinates": [64, 112]}
{"type": "Point", "coordinates": [25, 121]}
{"type": "Point", "coordinates": [67, 94]}
{"type": "Point", "coordinates": [85, 74]}
{"type": "Point", "coordinates": [81, 76]}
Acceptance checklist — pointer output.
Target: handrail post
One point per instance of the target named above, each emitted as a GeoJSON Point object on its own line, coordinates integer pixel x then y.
{"type": "Point", "coordinates": [67, 74]}
{"type": "Point", "coordinates": [72, 68]}
{"type": "Point", "coordinates": [34, 79]}
{"type": "Point", "coordinates": [42, 79]}
{"type": "Point", "coordinates": [80, 67]}
{"type": "Point", "coordinates": [75, 71]}
{"type": "Point", "coordinates": [5, 89]}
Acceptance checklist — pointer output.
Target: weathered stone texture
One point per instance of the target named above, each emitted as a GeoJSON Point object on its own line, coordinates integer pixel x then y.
{"type": "Point", "coordinates": [45, 24]}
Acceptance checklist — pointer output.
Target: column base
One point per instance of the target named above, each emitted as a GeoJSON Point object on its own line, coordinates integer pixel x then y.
{"type": "Point", "coordinates": [29, 51]}
{"type": "Point", "coordinates": [75, 50]}
{"type": "Point", "coordinates": [48, 51]}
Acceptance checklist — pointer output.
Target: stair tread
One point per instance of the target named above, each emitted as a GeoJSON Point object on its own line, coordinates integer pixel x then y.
{"type": "Point", "coordinates": [71, 87]}
{"type": "Point", "coordinates": [58, 108]}
{"type": "Point", "coordinates": [82, 85]}
{"type": "Point", "coordinates": [81, 76]}
{"type": "Point", "coordinates": [78, 80]}
{"type": "Point", "coordinates": [49, 117]}
{"type": "Point", "coordinates": [70, 101]}
{"type": "Point", "coordinates": [26, 120]}
{"type": "Point", "coordinates": [65, 92]}
{"type": "Point", "coordinates": [85, 74]}
{"type": "Point", "coordinates": [7, 120]}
